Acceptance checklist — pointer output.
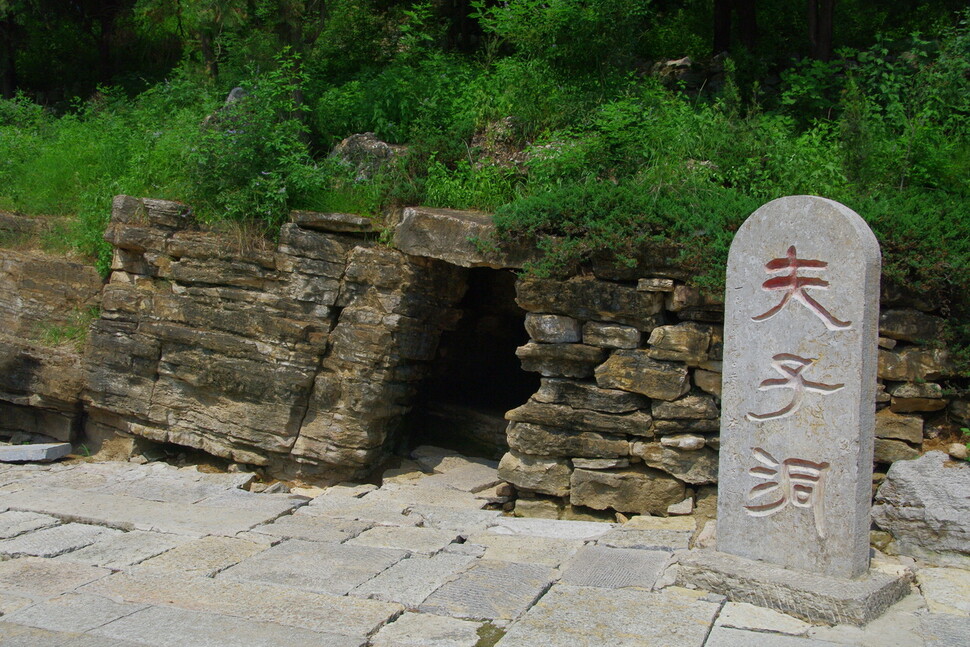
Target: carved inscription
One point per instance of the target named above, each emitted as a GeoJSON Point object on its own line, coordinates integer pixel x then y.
{"type": "Point", "coordinates": [795, 286]}
{"type": "Point", "coordinates": [791, 367]}
{"type": "Point", "coordinates": [794, 481]}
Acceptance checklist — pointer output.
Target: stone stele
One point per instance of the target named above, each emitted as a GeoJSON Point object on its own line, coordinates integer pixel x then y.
{"type": "Point", "coordinates": [801, 314]}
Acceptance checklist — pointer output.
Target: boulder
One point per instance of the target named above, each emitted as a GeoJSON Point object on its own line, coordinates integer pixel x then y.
{"type": "Point", "coordinates": [366, 153]}
{"type": "Point", "coordinates": [560, 360]}
{"type": "Point", "coordinates": [557, 415]}
{"type": "Point", "coordinates": [463, 238]}
{"type": "Point", "coordinates": [909, 325]}
{"type": "Point", "coordinates": [925, 505]}
{"type": "Point", "coordinates": [585, 395]}
{"type": "Point", "coordinates": [587, 298]}
{"type": "Point", "coordinates": [609, 335]}
{"type": "Point", "coordinates": [708, 381]}
{"type": "Point", "coordinates": [691, 407]}
{"type": "Point", "coordinates": [694, 466]}
{"type": "Point", "coordinates": [553, 329]}
{"type": "Point", "coordinates": [536, 473]}
{"type": "Point", "coordinates": [639, 490]}
{"type": "Point", "coordinates": [917, 396]}
{"type": "Point", "coordinates": [684, 342]}
{"type": "Point", "coordinates": [895, 426]}
{"type": "Point", "coordinates": [637, 372]}
{"type": "Point", "coordinates": [914, 364]}
{"type": "Point", "coordinates": [538, 440]}
{"type": "Point", "coordinates": [890, 451]}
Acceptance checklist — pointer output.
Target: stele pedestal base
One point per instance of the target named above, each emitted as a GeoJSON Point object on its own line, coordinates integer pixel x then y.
{"type": "Point", "coordinates": [809, 596]}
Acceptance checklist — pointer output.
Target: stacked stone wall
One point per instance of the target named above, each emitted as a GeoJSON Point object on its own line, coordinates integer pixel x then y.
{"type": "Point", "coordinates": [627, 416]}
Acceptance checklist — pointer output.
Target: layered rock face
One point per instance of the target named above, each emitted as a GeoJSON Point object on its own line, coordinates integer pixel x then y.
{"type": "Point", "coordinates": [40, 387]}
{"type": "Point", "coordinates": [303, 358]}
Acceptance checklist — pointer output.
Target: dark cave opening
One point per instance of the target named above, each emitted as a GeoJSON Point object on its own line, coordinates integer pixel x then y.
{"type": "Point", "coordinates": [476, 376]}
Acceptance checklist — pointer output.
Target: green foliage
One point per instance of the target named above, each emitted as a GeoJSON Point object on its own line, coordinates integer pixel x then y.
{"type": "Point", "coordinates": [469, 185]}
{"type": "Point", "coordinates": [250, 160]}
{"type": "Point", "coordinates": [74, 332]}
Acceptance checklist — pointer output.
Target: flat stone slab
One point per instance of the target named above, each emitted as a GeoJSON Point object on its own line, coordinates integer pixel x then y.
{"type": "Point", "coordinates": [584, 530]}
{"type": "Point", "coordinates": [51, 542]}
{"type": "Point", "coordinates": [813, 597]}
{"type": "Point", "coordinates": [34, 453]}
{"type": "Point", "coordinates": [450, 235]}
{"type": "Point", "coordinates": [375, 512]}
{"type": "Point", "coordinates": [741, 615]}
{"type": "Point", "coordinates": [313, 528]}
{"type": "Point", "coordinates": [526, 550]}
{"type": "Point", "coordinates": [14, 635]}
{"type": "Point", "coordinates": [72, 612]}
{"type": "Point", "coordinates": [490, 590]}
{"type": "Point", "coordinates": [125, 549]}
{"type": "Point", "coordinates": [202, 557]}
{"type": "Point", "coordinates": [15, 523]}
{"type": "Point", "coordinates": [425, 630]}
{"type": "Point", "coordinates": [730, 637]}
{"type": "Point", "coordinates": [172, 627]}
{"type": "Point", "coordinates": [471, 477]}
{"type": "Point", "coordinates": [280, 604]}
{"type": "Point", "coordinates": [947, 590]}
{"type": "Point", "coordinates": [651, 533]}
{"type": "Point", "coordinates": [459, 520]}
{"type": "Point", "coordinates": [131, 513]}
{"type": "Point", "coordinates": [315, 566]}
{"type": "Point", "coordinates": [412, 580]}
{"type": "Point", "coordinates": [412, 539]}
{"type": "Point", "coordinates": [615, 568]}
{"type": "Point", "coordinates": [418, 494]}
{"type": "Point", "coordinates": [944, 630]}
{"type": "Point", "coordinates": [580, 616]}
{"type": "Point", "coordinates": [40, 578]}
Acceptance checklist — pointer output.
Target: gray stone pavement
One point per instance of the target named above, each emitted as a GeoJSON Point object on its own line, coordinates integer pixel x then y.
{"type": "Point", "coordinates": [118, 554]}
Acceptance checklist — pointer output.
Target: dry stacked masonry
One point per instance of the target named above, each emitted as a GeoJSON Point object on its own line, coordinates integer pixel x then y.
{"type": "Point", "coordinates": [326, 352]}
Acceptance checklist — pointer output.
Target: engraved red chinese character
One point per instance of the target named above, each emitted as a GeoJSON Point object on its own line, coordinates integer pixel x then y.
{"type": "Point", "coordinates": [798, 482]}
{"type": "Point", "coordinates": [791, 367]}
{"type": "Point", "coordinates": [794, 287]}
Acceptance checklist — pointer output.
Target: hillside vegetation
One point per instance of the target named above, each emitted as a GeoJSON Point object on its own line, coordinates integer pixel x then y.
{"type": "Point", "coordinates": [574, 121]}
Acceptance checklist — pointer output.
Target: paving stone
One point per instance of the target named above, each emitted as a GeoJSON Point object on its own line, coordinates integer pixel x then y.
{"type": "Point", "coordinates": [412, 580]}
{"type": "Point", "coordinates": [526, 550]}
{"type": "Point", "coordinates": [473, 477]}
{"type": "Point", "coordinates": [580, 616]}
{"type": "Point", "coordinates": [72, 612]}
{"type": "Point", "coordinates": [125, 549]}
{"type": "Point", "coordinates": [281, 604]}
{"type": "Point", "coordinates": [425, 630]}
{"type": "Point", "coordinates": [490, 590]}
{"type": "Point", "coordinates": [946, 590]}
{"type": "Point", "coordinates": [651, 533]}
{"type": "Point", "coordinates": [462, 521]}
{"type": "Point", "coordinates": [167, 488]}
{"type": "Point", "coordinates": [170, 627]}
{"type": "Point", "coordinates": [741, 615]}
{"type": "Point", "coordinates": [130, 513]}
{"type": "Point", "coordinates": [411, 495]}
{"type": "Point", "coordinates": [945, 630]}
{"type": "Point", "coordinates": [10, 603]}
{"type": "Point", "coordinates": [415, 540]}
{"type": "Point", "coordinates": [87, 640]}
{"type": "Point", "coordinates": [615, 568]}
{"type": "Point", "coordinates": [730, 637]}
{"type": "Point", "coordinates": [315, 566]}
{"type": "Point", "coordinates": [39, 577]}
{"type": "Point", "coordinates": [272, 505]}
{"type": "Point", "coordinates": [313, 528]}
{"type": "Point", "coordinates": [202, 557]}
{"type": "Point", "coordinates": [14, 635]}
{"type": "Point", "coordinates": [376, 512]}
{"type": "Point", "coordinates": [51, 542]}
{"type": "Point", "coordinates": [37, 452]}
{"type": "Point", "coordinates": [15, 523]}
{"type": "Point", "coordinates": [584, 530]}
{"type": "Point", "coordinates": [898, 627]}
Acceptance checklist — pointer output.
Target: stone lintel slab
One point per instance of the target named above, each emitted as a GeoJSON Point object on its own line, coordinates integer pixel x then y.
{"type": "Point", "coordinates": [32, 453]}
{"type": "Point", "coordinates": [821, 599]}
{"type": "Point", "coordinates": [463, 238]}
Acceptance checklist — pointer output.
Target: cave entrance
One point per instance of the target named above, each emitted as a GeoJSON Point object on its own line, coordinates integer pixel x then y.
{"type": "Point", "coordinates": [476, 377]}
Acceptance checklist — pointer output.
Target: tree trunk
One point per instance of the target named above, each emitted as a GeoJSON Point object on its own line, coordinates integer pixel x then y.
{"type": "Point", "coordinates": [722, 26]}
{"type": "Point", "coordinates": [747, 24]}
{"type": "Point", "coordinates": [209, 62]}
{"type": "Point", "coordinates": [820, 25]}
